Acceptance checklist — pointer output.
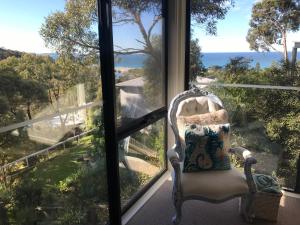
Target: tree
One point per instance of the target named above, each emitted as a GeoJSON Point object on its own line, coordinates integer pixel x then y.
{"type": "Point", "coordinates": [270, 22]}
{"type": "Point", "coordinates": [207, 13]}
{"type": "Point", "coordinates": [73, 30]}
{"type": "Point", "coordinates": [237, 65]}
{"type": "Point", "coordinates": [66, 34]}
{"type": "Point", "coordinates": [43, 79]}
{"type": "Point", "coordinates": [17, 95]}
{"type": "Point", "coordinates": [196, 65]}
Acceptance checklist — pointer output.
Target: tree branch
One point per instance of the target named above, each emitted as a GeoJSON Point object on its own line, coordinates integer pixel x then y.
{"type": "Point", "coordinates": [143, 43]}
{"type": "Point", "coordinates": [128, 51]}
{"type": "Point", "coordinates": [138, 21]}
{"type": "Point", "coordinates": [155, 21]}
{"type": "Point", "coordinates": [83, 44]}
{"type": "Point", "coordinates": [121, 22]}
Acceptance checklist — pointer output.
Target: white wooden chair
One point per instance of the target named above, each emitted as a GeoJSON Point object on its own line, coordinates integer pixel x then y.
{"type": "Point", "coordinates": [210, 186]}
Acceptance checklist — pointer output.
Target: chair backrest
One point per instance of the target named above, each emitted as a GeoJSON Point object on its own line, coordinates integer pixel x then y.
{"type": "Point", "coordinates": [188, 103]}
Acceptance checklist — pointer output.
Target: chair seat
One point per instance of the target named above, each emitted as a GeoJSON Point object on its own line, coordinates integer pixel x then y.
{"type": "Point", "coordinates": [214, 185]}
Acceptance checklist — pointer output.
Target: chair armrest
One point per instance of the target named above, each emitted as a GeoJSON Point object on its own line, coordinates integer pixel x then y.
{"type": "Point", "coordinates": [174, 158]}
{"type": "Point", "coordinates": [249, 160]}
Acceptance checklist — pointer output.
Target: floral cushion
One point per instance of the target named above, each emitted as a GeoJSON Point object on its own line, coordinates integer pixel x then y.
{"type": "Point", "coordinates": [206, 148]}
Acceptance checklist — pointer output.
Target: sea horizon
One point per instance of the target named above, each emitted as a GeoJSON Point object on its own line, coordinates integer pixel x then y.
{"type": "Point", "coordinates": [209, 59]}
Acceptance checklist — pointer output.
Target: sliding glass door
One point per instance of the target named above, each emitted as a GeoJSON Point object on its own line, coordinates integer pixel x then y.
{"type": "Point", "coordinates": [69, 131]}
{"type": "Point", "coordinates": [133, 59]}
{"type": "Point", "coordinates": [140, 93]}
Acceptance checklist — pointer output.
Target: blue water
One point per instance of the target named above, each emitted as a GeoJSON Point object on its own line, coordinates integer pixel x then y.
{"type": "Point", "coordinates": [265, 59]}
{"type": "Point", "coordinates": [132, 61]}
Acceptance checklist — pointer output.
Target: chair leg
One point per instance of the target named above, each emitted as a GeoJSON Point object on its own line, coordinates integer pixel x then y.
{"type": "Point", "coordinates": [177, 201]}
{"type": "Point", "coordinates": [247, 203]}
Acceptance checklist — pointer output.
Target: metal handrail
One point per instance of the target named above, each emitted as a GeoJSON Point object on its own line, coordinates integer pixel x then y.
{"type": "Point", "coordinates": [248, 86]}
{"type": "Point", "coordinates": [147, 151]}
{"type": "Point", "coordinates": [47, 117]}
{"type": "Point", "coordinates": [25, 158]}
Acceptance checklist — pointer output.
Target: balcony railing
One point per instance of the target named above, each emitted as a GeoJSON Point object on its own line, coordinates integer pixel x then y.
{"type": "Point", "coordinates": [264, 119]}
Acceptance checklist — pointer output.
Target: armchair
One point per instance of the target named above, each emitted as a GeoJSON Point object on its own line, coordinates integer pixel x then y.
{"type": "Point", "coordinates": [210, 186]}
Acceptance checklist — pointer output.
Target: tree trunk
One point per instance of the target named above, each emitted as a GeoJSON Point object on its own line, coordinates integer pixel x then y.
{"type": "Point", "coordinates": [285, 53]}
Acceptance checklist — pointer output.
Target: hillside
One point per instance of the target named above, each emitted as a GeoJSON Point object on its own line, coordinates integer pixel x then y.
{"type": "Point", "coordinates": [5, 53]}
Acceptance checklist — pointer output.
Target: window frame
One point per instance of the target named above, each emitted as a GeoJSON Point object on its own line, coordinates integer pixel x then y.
{"type": "Point", "coordinates": [296, 189]}
{"type": "Point", "coordinates": [112, 133]}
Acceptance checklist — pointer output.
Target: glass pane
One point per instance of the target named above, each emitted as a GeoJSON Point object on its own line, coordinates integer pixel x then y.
{"type": "Point", "coordinates": [267, 123]}
{"type": "Point", "coordinates": [230, 56]}
{"type": "Point", "coordinates": [52, 158]}
{"type": "Point", "coordinates": [231, 43]}
{"type": "Point", "coordinates": [139, 65]}
{"type": "Point", "coordinates": [141, 158]}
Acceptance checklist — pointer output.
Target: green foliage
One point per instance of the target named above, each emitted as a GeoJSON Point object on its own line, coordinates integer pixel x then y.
{"type": "Point", "coordinates": [207, 13]}
{"type": "Point", "coordinates": [159, 144]}
{"type": "Point", "coordinates": [196, 65]}
{"type": "Point", "coordinates": [87, 183]}
{"type": "Point", "coordinates": [96, 118]}
{"type": "Point", "coordinates": [264, 120]}
{"type": "Point", "coordinates": [271, 20]}
{"type": "Point", "coordinates": [5, 53]}
{"type": "Point", "coordinates": [153, 74]}
{"type": "Point", "coordinates": [17, 91]}
{"type": "Point", "coordinates": [70, 31]}
{"type": "Point", "coordinates": [17, 95]}
{"type": "Point", "coordinates": [27, 199]}
{"type": "Point", "coordinates": [237, 65]}
{"type": "Point", "coordinates": [73, 214]}
{"type": "Point", "coordinates": [130, 183]}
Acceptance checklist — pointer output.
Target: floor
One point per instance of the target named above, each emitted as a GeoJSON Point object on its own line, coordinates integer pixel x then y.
{"type": "Point", "coordinates": [159, 211]}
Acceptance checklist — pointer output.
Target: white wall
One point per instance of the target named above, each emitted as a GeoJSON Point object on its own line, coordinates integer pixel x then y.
{"type": "Point", "coordinates": [176, 53]}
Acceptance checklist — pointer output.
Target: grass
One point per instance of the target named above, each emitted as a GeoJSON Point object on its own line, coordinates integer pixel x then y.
{"type": "Point", "coordinates": [64, 164]}
{"type": "Point", "coordinates": [21, 149]}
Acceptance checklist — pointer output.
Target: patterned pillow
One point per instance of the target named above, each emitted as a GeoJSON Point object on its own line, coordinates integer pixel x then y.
{"type": "Point", "coordinates": [206, 148]}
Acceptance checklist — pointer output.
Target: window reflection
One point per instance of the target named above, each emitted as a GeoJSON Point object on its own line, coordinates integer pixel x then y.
{"type": "Point", "coordinates": [138, 49]}
{"type": "Point", "coordinates": [141, 158]}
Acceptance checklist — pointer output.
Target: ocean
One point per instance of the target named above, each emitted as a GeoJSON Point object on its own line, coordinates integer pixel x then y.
{"type": "Point", "coordinates": [265, 59]}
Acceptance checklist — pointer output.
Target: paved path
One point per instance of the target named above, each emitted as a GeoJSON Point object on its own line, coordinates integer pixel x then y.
{"type": "Point", "coordinates": [139, 165]}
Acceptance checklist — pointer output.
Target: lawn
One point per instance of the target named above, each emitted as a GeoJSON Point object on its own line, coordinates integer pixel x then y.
{"type": "Point", "coordinates": [61, 166]}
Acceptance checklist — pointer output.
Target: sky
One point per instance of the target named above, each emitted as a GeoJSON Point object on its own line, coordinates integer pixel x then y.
{"type": "Point", "coordinates": [232, 31]}
{"type": "Point", "coordinates": [20, 22]}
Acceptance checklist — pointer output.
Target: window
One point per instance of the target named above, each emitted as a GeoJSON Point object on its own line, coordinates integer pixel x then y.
{"type": "Point", "coordinates": [258, 89]}
{"type": "Point", "coordinates": [52, 156]}
{"type": "Point", "coordinates": [67, 130]}
{"type": "Point", "coordinates": [140, 93]}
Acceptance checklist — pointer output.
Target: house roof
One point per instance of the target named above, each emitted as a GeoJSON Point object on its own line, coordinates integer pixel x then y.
{"type": "Point", "coordinates": [136, 82]}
